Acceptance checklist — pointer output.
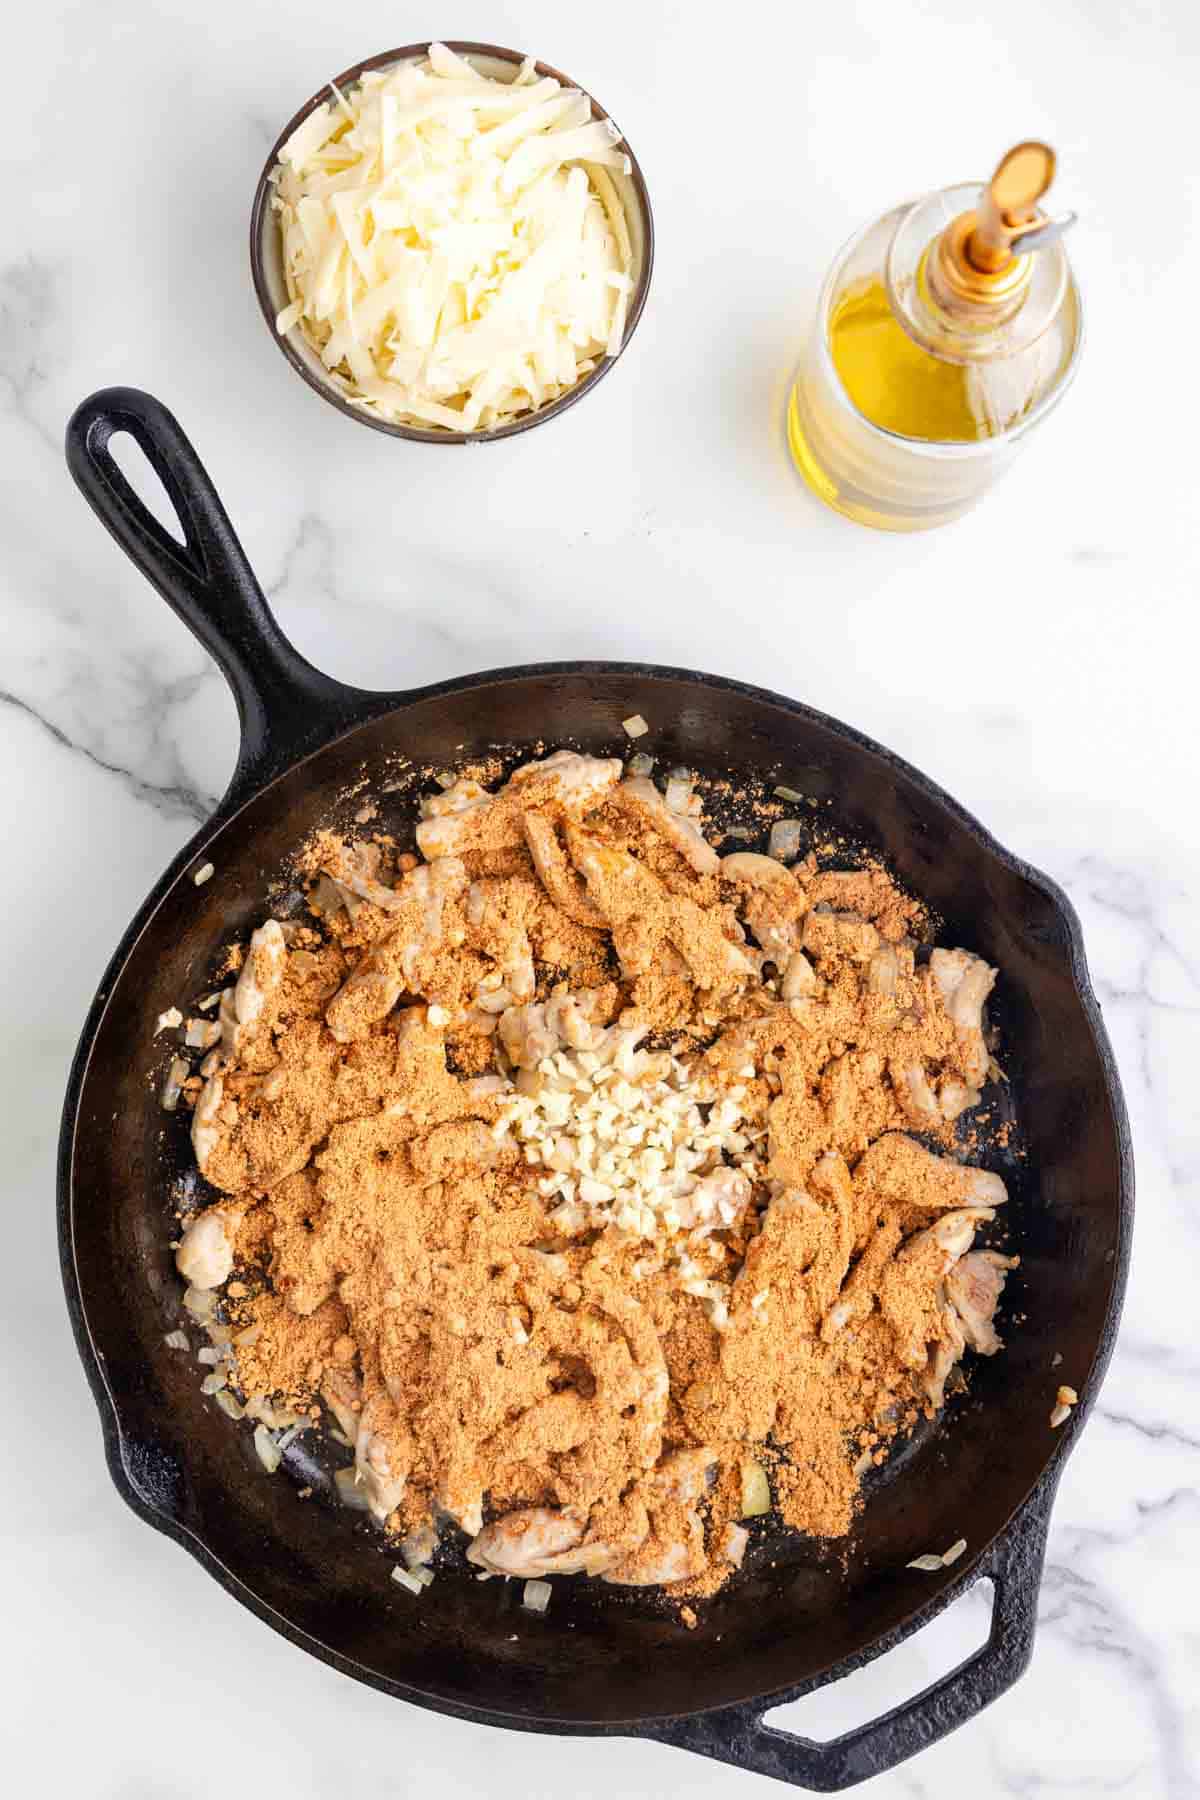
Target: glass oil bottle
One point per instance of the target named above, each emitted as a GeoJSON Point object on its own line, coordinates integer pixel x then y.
{"type": "Point", "coordinates": [945, 332]}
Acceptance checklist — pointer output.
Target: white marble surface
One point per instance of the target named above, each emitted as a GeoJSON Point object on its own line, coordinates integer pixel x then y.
{"type": "Point", "coordinates": [1055, 695]}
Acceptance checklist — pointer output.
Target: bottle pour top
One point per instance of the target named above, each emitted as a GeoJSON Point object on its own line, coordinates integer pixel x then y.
{"type": "Point", "coordinates": [975, 283]}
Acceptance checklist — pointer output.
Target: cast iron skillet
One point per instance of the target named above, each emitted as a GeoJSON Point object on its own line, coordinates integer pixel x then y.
{"type": "Point", "coordinates": [600, 1662]}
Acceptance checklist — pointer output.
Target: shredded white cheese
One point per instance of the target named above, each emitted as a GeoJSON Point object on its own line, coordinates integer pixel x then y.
{"type": "Point", "coordinates": [453, 246]}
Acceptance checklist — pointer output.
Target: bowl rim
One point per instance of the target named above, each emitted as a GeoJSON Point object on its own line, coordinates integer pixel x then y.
{"type": "Point", "coordinates": [431, 434]}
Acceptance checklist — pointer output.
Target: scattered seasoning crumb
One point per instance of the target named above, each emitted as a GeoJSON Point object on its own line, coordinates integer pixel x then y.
{"type": "Point", "coordinates": [954, 1552]}
{"type": "Point", "coordinates": [1056, 1359]}
{"type": "Point", "coordinates": [1066, 1396]}
{"type": "Point", "coordinates": [635, 727]}
{"type": "Point", "coordinates": [169, 1020]}
{"type": "Point", "coordinates": [204, 873]}
{"type": "Point", "coordinates": [689, 1618]}
{"type": "Point", "coordinates": [1059, 1416]}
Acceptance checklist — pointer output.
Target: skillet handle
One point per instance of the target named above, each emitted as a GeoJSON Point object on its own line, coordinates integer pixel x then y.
{"type": "Point", "coordinates": [739, 1736]}
{"type": "Point", "coordinates": [285, 706]}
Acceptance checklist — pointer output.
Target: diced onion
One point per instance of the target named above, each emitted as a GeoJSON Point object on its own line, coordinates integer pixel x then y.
{"type": "Point", "coordinates": [536, 1597]}
{"type": "Point", "coordinates": [269, 1454]}
{"type": "Point", "coordinates": [326, 897]}
{"type": "Point", "coordinates": [229, 1403]}
{"type": "Point", "coordinates": [640, 763]}
{"type": "Point", "coordinates": [212, 1384]}
{"type": "Point", "coordinates": [351, 1493]}
{"type": "Point", "coordinates": [407, 1580]}
{"type": "Point", "coordinates": [635, 726]}
{"type": "Point", "coordinates": [787, 793]}
{"type": "Point", "coordinates": [423, 1575]}
{"type": "Point", "coordinates": [954, 1552]}
{"type": "Point", "coordinates": [210, 1355]}
{"type": "Point", "coordinates": [177, 1074]}
{"type": "Point", "coordinates": [784, 841]}
{"type": "Point", "coordinates": [756, 1490]}
{"type": "Point", "coordinates": [176, 1340]}
{"type": "Point", "coordinates": [734, 1543]}
{"type": "Point", "coordinates": [204, 873]}
{"type": "Point", "coordinates": [926, 1564]}
{"type": "Point", "coordinates": [679, 792]}
{"type": "Point", "coordinates": [199, 1302]}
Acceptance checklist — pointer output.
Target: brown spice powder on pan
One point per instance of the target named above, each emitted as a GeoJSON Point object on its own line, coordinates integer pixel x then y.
{"type": "Point", "coordinates": [599, 1339]}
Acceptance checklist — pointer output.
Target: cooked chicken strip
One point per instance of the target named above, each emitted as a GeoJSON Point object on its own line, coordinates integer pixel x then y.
{"type": "Point", "coordinates": [898, 1169]}
{"type": "Point", "coordinates": [576, 782]}
{"type": "Point", "coordinates": [206, 1130]}
{"type": "Point", "coordinates": [674, 1547]}
{"type": "Point", "coordinates": [535, 1542]}
{"type": "Point", "coordinates": [857, 1298]}
{"type": "Point", "coordinates": [205, 1254]}
{"type": "Point", "coordinates": [973, 1288]}
{"type": "Point", "coordinates": [449, 820]}
{"type": "Point", "coordinates": [641, 913]}
{"type": "Point", "coordinates": [638, 796]}
{"type": "Point", "coordinates": [944, 1354]}
{"type": "Point", "coordinates": [913, 1090]}
{"type": "Point", "coordinates": [379, 1464]}
{"type": "Point", "coordinates": [964, 983]}
{"type": "Point", "coordinates": [392, 965]}
{"type": "Point", "coordinates": [774, 902]}
{"type": "Point", "coordinates": [242, 1006]}
{"type": "Point", "coordinates": [356, 866]}
{"type": "Point", "coordinates": [556, 874]}
{"type": "Point", "coordinates": [830, 935]}
{"type": "Point", "coordinates": [457, 821]}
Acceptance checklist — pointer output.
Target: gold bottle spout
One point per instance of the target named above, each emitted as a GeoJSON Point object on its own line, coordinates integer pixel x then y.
{"type": "Point", "coordinates": [981, 263]}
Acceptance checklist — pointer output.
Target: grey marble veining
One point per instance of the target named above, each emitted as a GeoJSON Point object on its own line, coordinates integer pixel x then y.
{"type": "Point", "coordinates": [1055, 696]}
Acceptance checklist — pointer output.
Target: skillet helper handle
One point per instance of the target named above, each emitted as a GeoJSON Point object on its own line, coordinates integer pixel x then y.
{"type": "Point", "coordinates": [740, 1736]}
{"type": "Point", "coordinates": [206, 579]}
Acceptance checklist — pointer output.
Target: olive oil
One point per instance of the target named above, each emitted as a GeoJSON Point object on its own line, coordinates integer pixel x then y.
{"type": "Point", "coordinates": [891, 380]}
{"type": "Point", "coordinates": [944, 332]}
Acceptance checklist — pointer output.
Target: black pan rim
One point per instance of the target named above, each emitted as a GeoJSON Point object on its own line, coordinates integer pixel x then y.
{"type": "Point", "coordinates": [369, 706]}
